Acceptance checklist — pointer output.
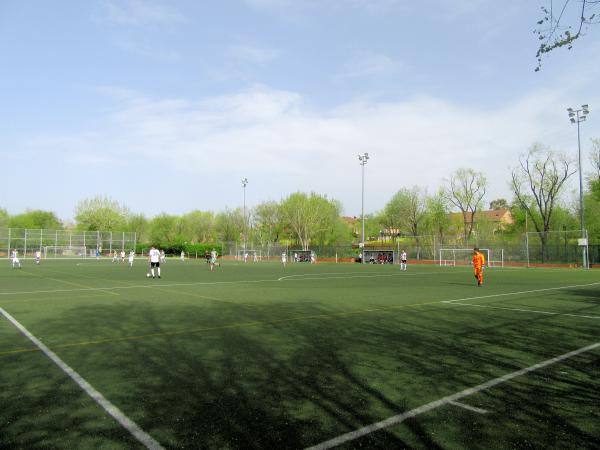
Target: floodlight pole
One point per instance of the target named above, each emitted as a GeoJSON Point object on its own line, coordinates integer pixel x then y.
{"type": "Point", "coordinates": [363, 161]}
{"type": "Point", "coordinates": [244, 184]}
{"type": "Point", "coordinates": [577, 116]}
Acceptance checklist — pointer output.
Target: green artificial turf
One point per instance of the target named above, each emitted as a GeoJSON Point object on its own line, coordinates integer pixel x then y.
{"type": "Point", "coordinates": [258, 356]}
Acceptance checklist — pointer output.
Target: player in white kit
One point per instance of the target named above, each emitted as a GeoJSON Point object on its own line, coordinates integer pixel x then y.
{"type": "Point", "coordinates": [38, 256]}
{"type": "Point", "coordinates": [154, 259]}
{"type": "Point", "coordinates": [213, 259]}
{"type": "Point", "coordinates": [283, 258]}
{"type": "Point", "coordinates": [15, 258]}
{"type": "Point", "coordinates": [403, 260]}
{"type": "Point", "coordinates": [131, 257]}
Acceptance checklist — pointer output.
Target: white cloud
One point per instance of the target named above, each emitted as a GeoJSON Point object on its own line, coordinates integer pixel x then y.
{"type": "Point", "coordinates": [369, 64]}
{"type": "Point", "coordinates": [252, 53]}
{"type": "Point", "coordinates": [283, 145]}
{"type": "Point", "coordinates": [139, 12]}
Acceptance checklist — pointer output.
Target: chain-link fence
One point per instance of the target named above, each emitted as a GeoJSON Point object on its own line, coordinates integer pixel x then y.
{"type": "Point", "coordinates": [528, 249]}
{"type": "Point", "coordinates": [64, 243]}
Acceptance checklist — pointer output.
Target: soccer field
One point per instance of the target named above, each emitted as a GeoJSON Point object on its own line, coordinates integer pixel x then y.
{"type": "Point", "coordinates": [94, 355]}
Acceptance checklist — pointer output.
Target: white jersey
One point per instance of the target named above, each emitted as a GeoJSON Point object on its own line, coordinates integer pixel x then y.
{"type": "Point", "coordinates": [131, 256]}
{"type": "Point", "coordinates": [283, 257]}
{"type": "Point", "coordinates": [213, 256]}
{"type": "Point", "coordinates": [403, 256]}
{"type": "Point", "coordinates": [15, 254]}
{"type": "Point", "coordinates": [154, 255]}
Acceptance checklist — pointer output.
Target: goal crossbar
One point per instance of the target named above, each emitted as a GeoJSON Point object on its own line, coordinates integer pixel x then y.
{"type": "Point", "coordinates": [461, 256]}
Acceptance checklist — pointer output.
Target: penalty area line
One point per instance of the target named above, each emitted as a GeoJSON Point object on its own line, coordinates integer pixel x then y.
{"type": "Point", "coordinates": [144, 438]}
{"type": "Point", "coordinates": [532, 311]}
{"type": "Point", "coordinates": [450, 399]}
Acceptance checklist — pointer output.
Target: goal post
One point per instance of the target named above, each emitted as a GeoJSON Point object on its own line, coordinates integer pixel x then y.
{"type": "Point", "coordinates": [379, 256]}
{"type": "Point", "coordinates": [463, 257]}
{"type": "Point", "coordinates": [253, 255]}
{"type": "Point", "coordinates": [301, 255]}
{"type": "Point", "coordinates": [64, 251]}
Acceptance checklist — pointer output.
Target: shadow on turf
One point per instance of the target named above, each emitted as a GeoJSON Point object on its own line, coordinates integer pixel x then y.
{"type": "Point", "coordinates": [292, 384]}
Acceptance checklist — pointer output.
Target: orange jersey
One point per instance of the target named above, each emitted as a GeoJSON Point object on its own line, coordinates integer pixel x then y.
{"type": "Point", "coordinates": [478, 260]}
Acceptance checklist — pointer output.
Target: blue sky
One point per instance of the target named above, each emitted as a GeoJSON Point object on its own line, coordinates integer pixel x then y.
{"type": "Point", "coordinates": [166, 105]}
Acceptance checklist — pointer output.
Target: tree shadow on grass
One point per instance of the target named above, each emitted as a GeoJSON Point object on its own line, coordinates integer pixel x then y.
{"type": "Point", "coordinates": [292, 384]}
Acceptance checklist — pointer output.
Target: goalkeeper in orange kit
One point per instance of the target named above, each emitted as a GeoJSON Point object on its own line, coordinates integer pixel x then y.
{"type": "Point", "coordinates": [478, 263]}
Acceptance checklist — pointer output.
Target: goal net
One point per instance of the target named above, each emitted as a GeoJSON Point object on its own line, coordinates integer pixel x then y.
{"type": "Point", "coordinates": [251, 255]}
{"type": "Point", "coordinates": [301, 255]}
{"type": "Point", "coordinates": [464, 256]}
{"type": "Point", "coordinates": [379, 256]}
{"type": "Point", "coordinates": [62, 251]}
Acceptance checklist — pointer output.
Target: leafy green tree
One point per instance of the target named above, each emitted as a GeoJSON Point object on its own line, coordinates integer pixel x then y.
{"type": "Point", "coordinates": [165, 231]}
{"type": "Point", "coordinates": [36, 219]}
{"type": "Point", "coordinates": [198, 226]}
{"type": "Point", "coordinates": [406, 209]}
{"type": "Point", "coordinates": [229, 225]}
{"type": "Point", "coordinates": [307, 216]}
{"type": "Point", "coordinates": [101, 213]}
{"type": "Point", "coordinates": [3, 218]}
{"type": "Point", "coordinates": [499, 203]}
{"type": "Point", "coordinates": [268, 222]}
{"type": "Point", "coordinates": [139, 224]}
{"type": "Point", "coordinates": [437, 217]}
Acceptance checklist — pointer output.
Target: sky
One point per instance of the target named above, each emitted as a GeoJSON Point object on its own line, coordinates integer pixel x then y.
{"type": "Point", "coordinates": [165, 106]}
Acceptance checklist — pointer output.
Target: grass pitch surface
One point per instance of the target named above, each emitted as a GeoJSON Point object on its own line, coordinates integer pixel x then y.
{"type": "Point", "coordinates": [258, 356]}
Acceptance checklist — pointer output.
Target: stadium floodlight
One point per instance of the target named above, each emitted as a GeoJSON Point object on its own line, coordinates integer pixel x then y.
{"type": "Point", "coordinates": [363, 161]}
{"type": "Point", "coordinates": [577, 116]}
{"type": "Point", "coordinates": [244, 184]}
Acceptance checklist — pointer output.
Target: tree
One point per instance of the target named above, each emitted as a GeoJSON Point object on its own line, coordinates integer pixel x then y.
{"type": "Point", "coordinates": [407, 209]}
{"type": "Point", "coordinates": [198, 226]}
{"type": "Point", "coordinates": [101, 213]}
{"type": "Point", "coordinates": [3, 218]}
{"type": "Point", "coordinates": [35, 219]}
{"type": "Point", "coordinates": [138, 224]}
{"type": "Point", "coordinates": [499, 203]}
{"type": "Point", "coordinates": [437, 213]}
{"type": "Point", "coordinates": [268, 222]}
{"type": "Point", "coordinates": [595, 160]}
{"type": "Point", "coordinates": [308, 215]}
{"type": "Point", "coordinates": [165, 231]}
{"type": "Point", "coordinates": [537, 183]}
{"type": "Point", "coordinates": [466, 189]}
{"type": "Point", "coordinates": [562, 26]}
{"type": "Point", "coordinates": [229, 225]}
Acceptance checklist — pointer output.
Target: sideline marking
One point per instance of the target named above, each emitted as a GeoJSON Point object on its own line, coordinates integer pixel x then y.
{"type": "Point", "coordinates": [521, 292]}
{"type": "Point", "coordinates": [66, 282]}
{"type": "Point", "coordinates": [535, 311]}
{"type": "Point", "coordinates": [394, 420]}
{"type": "Point", "coordinates": [469, 407]}
{"type": "Point", "coordinates": [315, 276]}
{"type": "Point", "coordinates": [197, 283]}
{"type": "Point", "coordinates": [143, 437]}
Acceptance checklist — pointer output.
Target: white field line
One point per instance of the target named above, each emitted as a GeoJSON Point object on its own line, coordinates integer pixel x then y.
{"type": "Point", "coordinates": [533, 311]}
{"type": "Point", "coordinates": [316, 276]}
{"type": "Point", "coordinates": [152, 284]}
{"type": "Point", "coordinates": [395, 420]}
{"type": "Point", "coordinates": [521, 292]}
{"type": "Point", "coordinates": [143, 437]}
{"type": "Point", "coordinates": [469, 407]}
